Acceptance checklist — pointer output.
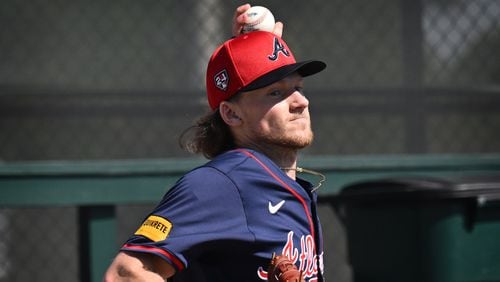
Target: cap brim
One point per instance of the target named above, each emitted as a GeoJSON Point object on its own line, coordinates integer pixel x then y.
{"type": "Point", "coordinates": [305, 68]}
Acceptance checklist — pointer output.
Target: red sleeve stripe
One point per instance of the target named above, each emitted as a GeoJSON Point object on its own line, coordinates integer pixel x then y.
{"type": "Point", "coordinates": [176, 262]}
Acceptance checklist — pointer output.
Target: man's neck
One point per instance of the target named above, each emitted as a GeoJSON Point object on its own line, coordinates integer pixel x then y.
{"type": "Point", "coordinates": [285, 158]}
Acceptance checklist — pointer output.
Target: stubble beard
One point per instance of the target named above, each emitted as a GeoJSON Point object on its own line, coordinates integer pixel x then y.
{"type": "Point", "coordinates": [296, 141]}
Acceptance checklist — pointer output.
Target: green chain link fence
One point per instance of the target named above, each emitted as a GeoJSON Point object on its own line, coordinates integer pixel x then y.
{"type": "Point", "coordinates": [100, 80]}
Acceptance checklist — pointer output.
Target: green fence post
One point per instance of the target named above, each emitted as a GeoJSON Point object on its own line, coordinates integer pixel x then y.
{"type": "Point", "coordinates": [97, 240]}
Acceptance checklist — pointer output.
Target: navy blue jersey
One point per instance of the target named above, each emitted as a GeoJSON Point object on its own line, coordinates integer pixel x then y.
{"type": "Point", "coordinates": [224, 220]}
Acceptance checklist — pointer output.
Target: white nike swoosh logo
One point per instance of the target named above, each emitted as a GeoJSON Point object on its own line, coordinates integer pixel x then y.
{"type": "Point", "coordinates": [274, 208]}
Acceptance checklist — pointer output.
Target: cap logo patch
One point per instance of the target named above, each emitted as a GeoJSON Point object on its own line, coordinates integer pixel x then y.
{"type": "Point", "coordinates": [155, 228]}
{"type": "Point", "coordinates": [278, 48]}
{"type": "Point", "coordinates": [221, 80]}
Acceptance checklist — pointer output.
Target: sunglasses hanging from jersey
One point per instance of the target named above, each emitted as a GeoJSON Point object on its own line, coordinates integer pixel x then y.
{"type": "Point", "coordinates": [315, 173]}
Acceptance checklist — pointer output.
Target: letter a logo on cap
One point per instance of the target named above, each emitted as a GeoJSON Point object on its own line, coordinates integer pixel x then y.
{"type": "Point", "coordinates": [221, 80]}
{"type": "Point", "coordinates": [278, 47]}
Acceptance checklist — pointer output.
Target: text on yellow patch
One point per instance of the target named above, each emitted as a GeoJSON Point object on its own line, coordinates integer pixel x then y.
{"type": "Point", "coordinates": [155, 228]}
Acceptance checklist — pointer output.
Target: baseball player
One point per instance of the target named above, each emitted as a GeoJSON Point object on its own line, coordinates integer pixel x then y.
{"type": "Point", "coordinates": [227, 219]}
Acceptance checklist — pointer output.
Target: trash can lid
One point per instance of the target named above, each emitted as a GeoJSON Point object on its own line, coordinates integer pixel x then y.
{"type": "Point", "coordinates": [422, 188]}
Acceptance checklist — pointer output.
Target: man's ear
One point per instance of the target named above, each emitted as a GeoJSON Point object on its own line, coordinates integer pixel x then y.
{"type": "Point", "coordinates": [228, 113]}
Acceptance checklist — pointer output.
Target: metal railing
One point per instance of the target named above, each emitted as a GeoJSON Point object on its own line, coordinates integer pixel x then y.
{"type": "Point", "coordinates": [96, 188]}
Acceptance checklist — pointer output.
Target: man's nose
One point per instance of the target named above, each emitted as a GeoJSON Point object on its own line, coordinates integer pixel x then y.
{"type": "Point", "coordinates": [298, 100]}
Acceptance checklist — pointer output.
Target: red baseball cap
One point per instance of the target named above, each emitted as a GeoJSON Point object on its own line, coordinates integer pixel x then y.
{"type": "Point", "coordinates": [251, 61]}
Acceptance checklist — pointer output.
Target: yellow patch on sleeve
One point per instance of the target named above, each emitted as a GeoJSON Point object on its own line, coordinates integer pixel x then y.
{"type": "Point", "coordinates": [155, 228]}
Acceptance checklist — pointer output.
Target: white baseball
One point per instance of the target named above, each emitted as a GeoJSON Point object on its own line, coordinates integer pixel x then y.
{"type": "Point", "coordinates": [258, 18]}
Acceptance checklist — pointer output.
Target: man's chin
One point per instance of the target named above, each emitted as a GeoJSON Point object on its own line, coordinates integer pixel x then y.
{"type": "Point", "coordinates": [299, 142]}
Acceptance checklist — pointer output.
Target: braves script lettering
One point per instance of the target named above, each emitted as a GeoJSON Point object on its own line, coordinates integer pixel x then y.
{"type": "Point", "coordinates": [305, 254]}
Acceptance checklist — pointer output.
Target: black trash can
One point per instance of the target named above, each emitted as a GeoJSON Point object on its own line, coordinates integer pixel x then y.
{"type": "Point", "coordinates": [422, 229]}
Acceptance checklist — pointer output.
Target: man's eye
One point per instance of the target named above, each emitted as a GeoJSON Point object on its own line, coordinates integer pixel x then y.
{"type": "Point", "coordinates": [275, 93]}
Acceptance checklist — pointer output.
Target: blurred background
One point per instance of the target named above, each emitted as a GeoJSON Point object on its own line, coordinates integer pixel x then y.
{"type": "Point", "coordinates": [120, 80]}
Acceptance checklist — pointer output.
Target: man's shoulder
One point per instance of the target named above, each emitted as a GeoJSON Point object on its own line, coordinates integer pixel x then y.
{"type": "Point", "coordinates": [230, 164]}
{"type": "Point", "coordinates": [220, 166]}
{"type": "Point", "coordinates": [227, 161]}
